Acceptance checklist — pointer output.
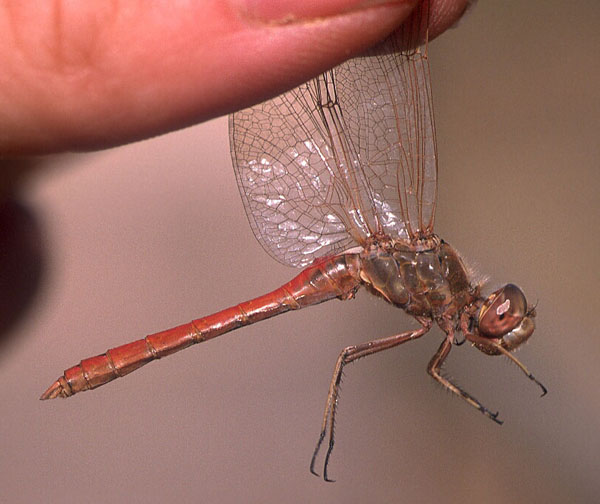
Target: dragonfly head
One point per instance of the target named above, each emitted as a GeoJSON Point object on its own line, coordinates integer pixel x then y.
{"type": "Point", "coordinates": [506, 318]}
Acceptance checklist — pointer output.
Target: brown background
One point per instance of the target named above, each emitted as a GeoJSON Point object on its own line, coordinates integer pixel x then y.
{"type": "Point", "coordinates": [147, 236]}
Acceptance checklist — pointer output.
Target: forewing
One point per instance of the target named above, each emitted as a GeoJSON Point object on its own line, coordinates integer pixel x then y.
{"type": "Point", "coordinates": [347, 156]}
{"type": "Point", "coordinates": [388, 108]}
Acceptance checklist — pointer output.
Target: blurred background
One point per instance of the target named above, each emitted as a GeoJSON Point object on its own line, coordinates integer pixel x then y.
{"type": "Point", "coordinates": [130, 241]}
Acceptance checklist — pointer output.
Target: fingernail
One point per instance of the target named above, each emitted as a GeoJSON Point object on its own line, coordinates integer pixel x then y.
{"type": "Point", "coordinates": [288, 11]}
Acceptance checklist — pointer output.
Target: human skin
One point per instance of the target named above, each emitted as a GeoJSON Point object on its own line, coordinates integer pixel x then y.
{"type": "Point", "coordinates": [81, 76]}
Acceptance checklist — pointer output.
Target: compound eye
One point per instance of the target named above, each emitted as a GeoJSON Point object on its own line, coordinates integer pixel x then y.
{"type": "Point", "coordinates": [502, 311]}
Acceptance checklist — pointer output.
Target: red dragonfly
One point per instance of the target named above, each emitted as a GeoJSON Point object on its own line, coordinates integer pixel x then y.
{"type": "Point", "coordinates": [339, 176]}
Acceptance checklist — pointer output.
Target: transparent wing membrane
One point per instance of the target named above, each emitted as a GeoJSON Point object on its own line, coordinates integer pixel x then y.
{"type": "Point", "coordinates": [346, 156]}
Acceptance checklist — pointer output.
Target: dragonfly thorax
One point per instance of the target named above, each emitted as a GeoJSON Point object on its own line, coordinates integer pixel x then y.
{"type": "Point", "coordinates": [426, 278]}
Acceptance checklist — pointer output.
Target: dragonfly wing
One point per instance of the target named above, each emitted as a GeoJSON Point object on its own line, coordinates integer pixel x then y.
{"type": "Point", "coordinates": [286, 175]}
{"type": "Point", "coordinates": [346, 156]}
{"type": "Point", "coordinates": [387, 100]}
{"type": "Point", "coordinates": [390, 118]}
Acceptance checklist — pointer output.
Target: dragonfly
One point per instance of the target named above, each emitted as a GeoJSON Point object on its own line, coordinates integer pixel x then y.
{"type": "Point", "coordinates": [339, 177]}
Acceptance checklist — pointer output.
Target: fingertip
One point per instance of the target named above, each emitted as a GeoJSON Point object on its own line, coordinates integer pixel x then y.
{"type": "Point", "coordinates": [446, 14]}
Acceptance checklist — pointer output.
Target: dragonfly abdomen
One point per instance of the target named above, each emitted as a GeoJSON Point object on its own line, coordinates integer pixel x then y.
{"type": "Point", "coordinates": [326, 279]}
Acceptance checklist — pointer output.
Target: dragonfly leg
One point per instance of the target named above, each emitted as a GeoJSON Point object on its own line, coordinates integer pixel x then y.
{"type": "Point", "coordinates": [434, 368]}
{"type": "Point", "coordinates": [496, 348]}
{"type": "Point", "coordinates": [350, 354]}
